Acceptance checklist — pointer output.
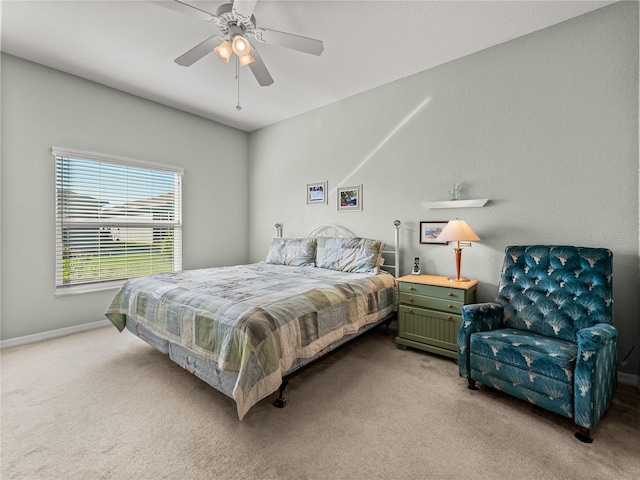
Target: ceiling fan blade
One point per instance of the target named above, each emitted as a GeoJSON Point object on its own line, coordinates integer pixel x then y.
{"type": "Point", "coordinates": [289, 40]}
{"type": "Point", "coordinates": [199, 51]}
{"type": "Point", "coordinates": [244, 8]}
{"type": "Point", "coordinates": [259, 70]}
{"type": "Point", "coordinates": [181, 7]}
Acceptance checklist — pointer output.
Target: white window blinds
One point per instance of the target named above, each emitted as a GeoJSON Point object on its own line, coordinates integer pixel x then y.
{"type": "Point", "coordinates": [116, 218]}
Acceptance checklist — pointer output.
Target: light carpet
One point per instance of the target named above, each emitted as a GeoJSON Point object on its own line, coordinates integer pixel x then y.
{"type": "Point", "coordinates": [105, 405]}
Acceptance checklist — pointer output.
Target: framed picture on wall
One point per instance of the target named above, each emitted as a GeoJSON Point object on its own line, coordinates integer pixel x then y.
{"type": "Point", "coordinates": [317, 193]}
{"type": "Point", "coordinates": [430, 231]}
{"type": "Point", "coordinates": [350, 199]}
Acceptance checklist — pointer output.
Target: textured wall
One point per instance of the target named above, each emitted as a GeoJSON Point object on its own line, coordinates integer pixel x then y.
{"type": "Point", "coordinates": [545, 126]}
{"type": "Point", "coordinates": [41, 108]}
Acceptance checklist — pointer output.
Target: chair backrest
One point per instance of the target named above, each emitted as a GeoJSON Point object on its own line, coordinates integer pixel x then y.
{"type": "Point", "coordinates": [556, 290]}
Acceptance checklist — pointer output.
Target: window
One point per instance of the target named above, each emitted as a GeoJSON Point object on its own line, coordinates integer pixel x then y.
{"type": "Point", "coordinates": [115, 219]}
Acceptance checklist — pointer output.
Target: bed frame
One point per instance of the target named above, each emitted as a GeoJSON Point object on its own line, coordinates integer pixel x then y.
{"type": "Point", "coordinates": [186, 358]}
{"type": "Point", "coordinates": [336, 231]}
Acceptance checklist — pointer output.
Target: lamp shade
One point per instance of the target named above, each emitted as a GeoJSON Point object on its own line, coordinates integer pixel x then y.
{"type": "Point", "coordinates": [224, 51]}
{"type": "Point", "coordinates": [246, 59]}
{"type": "Point", "coordinates": [241, 46]}
{"type": "Point", "coordinates": [458, 231]}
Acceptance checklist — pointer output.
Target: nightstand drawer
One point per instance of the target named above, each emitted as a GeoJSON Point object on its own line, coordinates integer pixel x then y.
{"type": "Point", "coordinates": [432, 291]}
{"type": "Point", "coordinates": [441, 304]}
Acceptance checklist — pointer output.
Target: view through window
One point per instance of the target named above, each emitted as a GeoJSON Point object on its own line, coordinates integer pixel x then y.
{"type": "Point", "coordinates": [115, 219]}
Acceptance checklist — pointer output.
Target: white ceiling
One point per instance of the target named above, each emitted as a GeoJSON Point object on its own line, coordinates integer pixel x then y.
{"type": "Point", "coordinates": [131, 45]}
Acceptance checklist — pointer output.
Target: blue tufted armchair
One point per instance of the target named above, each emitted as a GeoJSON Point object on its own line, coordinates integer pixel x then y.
{"type": "Point", "coordinates": [548, 338]}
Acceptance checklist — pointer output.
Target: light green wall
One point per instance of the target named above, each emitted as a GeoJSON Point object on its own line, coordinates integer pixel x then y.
{"type": "Point", "coordinates": [41, 108]}
{"type": "Point", "coordinates": [546, 126]}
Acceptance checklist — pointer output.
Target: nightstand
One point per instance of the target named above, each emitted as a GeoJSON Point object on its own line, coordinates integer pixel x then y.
{"type": "Point", "coordinates": [429, 315]}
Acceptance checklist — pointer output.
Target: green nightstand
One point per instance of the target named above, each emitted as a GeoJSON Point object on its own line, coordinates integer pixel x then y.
{"type": "Point", "coordinates": [429, 315]}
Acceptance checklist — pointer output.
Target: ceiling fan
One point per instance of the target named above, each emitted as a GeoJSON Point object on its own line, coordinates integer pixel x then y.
{"type": "Point", "coordinates": [239, 34]}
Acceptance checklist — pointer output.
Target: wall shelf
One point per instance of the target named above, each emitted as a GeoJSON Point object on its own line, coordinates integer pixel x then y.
{"type": "Point", "coordinates": [456, 203]}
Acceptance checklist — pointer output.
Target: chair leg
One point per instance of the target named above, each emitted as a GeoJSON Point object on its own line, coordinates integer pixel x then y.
{"type": "Point", "coordinates": [584, 435]}
{"type": "Point", "coordinates": [472, 385]}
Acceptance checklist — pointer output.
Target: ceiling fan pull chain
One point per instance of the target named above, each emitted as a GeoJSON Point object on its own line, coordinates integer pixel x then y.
{"type": "Point", "coordinates": [238, 107]}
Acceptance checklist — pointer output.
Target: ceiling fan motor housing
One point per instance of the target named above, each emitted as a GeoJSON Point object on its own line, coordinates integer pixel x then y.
{"type": "Point", "coordinates": [230, 23]}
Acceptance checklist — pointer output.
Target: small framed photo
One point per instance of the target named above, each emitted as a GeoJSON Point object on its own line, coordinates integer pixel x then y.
{"type": "Point", "coordinates": [317, 193]}
{"type": "Point", "coordinates": [430, 231]}
{"type": "Point", "coordinates": [350, 199]}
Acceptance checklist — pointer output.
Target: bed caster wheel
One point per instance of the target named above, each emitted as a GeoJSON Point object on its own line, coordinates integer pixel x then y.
{"type": "Point", "coordinates": [280, 402]}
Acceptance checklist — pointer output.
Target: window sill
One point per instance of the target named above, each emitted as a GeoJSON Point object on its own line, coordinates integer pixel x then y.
{"type": "Point", "coordinates": [88, 288]}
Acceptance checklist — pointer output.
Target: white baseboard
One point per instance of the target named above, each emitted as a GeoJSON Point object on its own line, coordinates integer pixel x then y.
{"type": "Point", "coordinates": [62, 332]}
{"type": "Point", "coordinates": [629, 379]}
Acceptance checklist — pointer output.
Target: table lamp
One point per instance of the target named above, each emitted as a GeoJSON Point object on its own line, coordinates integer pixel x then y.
{"type": "Point", "coordinates": [458, 231]}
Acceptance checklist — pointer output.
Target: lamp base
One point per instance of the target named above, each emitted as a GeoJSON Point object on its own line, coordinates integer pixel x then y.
{"type": "Point", "coordinates": [456, 279]}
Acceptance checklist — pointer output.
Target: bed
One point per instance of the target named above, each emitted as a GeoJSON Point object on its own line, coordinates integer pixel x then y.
{"type": "Point", "coordinates": [246, 329]}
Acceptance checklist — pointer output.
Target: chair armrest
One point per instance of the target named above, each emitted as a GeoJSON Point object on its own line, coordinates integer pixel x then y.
{"type": "Point", "coordinates": [595, 373]}
{"type": "Point", "coordinates": [594, 338]}
{"type": "Point", "coordinates": [477, 317]}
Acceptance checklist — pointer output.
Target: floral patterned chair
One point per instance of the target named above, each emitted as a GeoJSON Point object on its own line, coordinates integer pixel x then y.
{"type": "Point", "coordinates": [548, 338]}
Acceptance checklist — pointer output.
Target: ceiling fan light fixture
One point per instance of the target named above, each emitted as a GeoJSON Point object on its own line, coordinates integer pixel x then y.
{"type": "Point", "coordinates": [241, 46]}
{"type": "Point", "coordinates": [246, 59]}
{"type": "Point", "coordinates": [224, 51]}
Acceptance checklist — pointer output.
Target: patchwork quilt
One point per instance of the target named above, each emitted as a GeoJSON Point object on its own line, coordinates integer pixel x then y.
{"type": "Point", "coordinates": [254, 322]}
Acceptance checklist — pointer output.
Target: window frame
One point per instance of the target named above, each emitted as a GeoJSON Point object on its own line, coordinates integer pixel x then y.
{"type": "Point", "coordinates": [61, 288]}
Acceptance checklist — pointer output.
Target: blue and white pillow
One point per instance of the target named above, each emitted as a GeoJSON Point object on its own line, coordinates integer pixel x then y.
{"type": "Point", "coordinates": [360, 255]}
{"type": "Point", "coordinates": [295, 252]}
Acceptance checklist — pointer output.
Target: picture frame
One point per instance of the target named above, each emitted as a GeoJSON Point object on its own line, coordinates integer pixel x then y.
{"type": "Point", "coordinates": [429, 232]}
{"type": "Point", "coordinates": [350, 199]}
{"type": "Point", "coordinates": [317, 193]}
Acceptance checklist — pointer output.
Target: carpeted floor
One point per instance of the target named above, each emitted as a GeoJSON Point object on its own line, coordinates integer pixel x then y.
{"type": "Point", "coordinates": [104, 405]}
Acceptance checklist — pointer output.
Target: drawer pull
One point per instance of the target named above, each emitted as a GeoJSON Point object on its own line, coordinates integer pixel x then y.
{"type": "Point", "coordinates": [411, 299]}
{"type": "Point", "coordinates": [409, 310]}
{"type": "Point", "coordinates": [411, 289]}
{"type": "Point", "coordinates": [450, 294]}
{"type": "Point", "coordinates": [448, 317]}
{"type": "Point", "coordinates": [449, 306]}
